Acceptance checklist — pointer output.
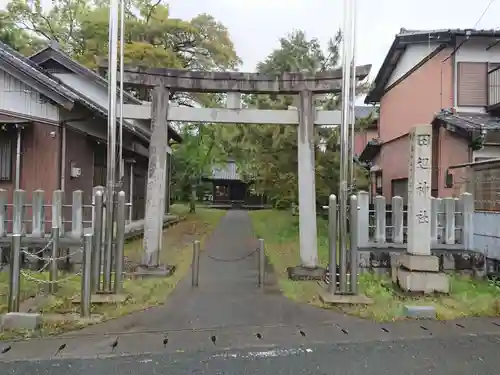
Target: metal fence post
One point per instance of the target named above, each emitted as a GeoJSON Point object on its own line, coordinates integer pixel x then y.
{"type": "Point", "coordinates": [15, 273]}
{"type": "Point", "coordinates": [86, 291]}
{"type": "Point", "coordinates": [109, 239]}
{"type": "Point", "coordinates": [354, 244]}
{"type": "Point", "coordinates": [332, 242]}
{"type": "Point", "coordinates": [3, 217]}
{"type": "Point", "coordinates": [262, 263]}
{"type": "Point", "coordinates": [97, 246]}
{"type": "Point", "coordinates": [53, 263]}
{"type": "Point", "coordinates": [120, 242]}
{"type": "Point", "coordinates": [195, 267]}
{"type": "Point", "coordinates": [18, 212]}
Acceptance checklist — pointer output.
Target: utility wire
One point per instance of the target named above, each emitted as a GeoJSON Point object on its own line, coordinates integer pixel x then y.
{"type": "Point", "coordinates": [484, 12]}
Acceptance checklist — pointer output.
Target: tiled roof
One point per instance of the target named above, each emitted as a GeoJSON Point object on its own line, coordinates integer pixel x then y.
{"type": "Point", "coordinates": [226, 172]}
{"type": "Point", "coordinates": [431, 37]}
{"type": "Point", "coordinates": [469, 121]}
{"type": "Point", "coordinates": [35, 72]}
{"type": "Point", "coordinates": [94, 99]}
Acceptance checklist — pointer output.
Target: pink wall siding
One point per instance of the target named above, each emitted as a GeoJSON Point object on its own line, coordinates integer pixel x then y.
{"type": "Point", "coordinates": [394, 163]}
{"type": "Point", "coordinates": [414, 101]}
{"type": "Point", "coordinates": [417, 98]}
{"type": "Point", "coordinates": [452, 150]}
{"type": "Point", "coordinates": [361, 138]}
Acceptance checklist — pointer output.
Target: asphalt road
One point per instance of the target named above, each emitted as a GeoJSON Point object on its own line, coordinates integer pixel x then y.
{"type": "Point", "coordinates": [447, 356]}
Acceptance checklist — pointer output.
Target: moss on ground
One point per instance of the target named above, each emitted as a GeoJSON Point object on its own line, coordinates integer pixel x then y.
{"type": "Point", "coordinates": [177, 245]}
{"type": "Point", "coordinates": [468, 297]}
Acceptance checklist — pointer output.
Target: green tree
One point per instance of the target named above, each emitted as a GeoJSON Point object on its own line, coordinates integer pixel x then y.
{"type": "Point", "coordinates": [193, 159]}
{"type": "Point", "coordinates": [152, 37]}
{"type": "Point", "coordinates": [269, 152]}
{"type": "Point", "coordinates": [15, 37]}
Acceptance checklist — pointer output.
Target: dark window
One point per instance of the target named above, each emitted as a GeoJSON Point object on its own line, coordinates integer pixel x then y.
{"type": "Point", "coordinates": [5, 157]}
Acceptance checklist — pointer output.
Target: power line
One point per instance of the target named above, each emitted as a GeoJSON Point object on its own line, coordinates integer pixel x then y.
{"type": "Point", "coordinates": [484, 12]}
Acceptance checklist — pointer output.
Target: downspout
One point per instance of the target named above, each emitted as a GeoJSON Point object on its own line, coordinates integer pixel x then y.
{"type": "Point", "coordinates": [18, 157]}
{"type": "Point", "coordinates": [455, 79]}
{"type": "Point", "coordinates": [63, 157]}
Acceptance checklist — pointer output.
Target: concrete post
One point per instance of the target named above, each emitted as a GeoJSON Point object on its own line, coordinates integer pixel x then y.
{"type": "Point", "coordinates": [307, 186]}
{"type": "Point", "coordinates": [449, 223]}
{"type": "Point", "coordinates": [397, 219]}
{"type": "Point", "coordinates": [38, 213]}
{"type": "Point", "coordinates": [77, 214]}
{"type": "Point", "coordinates": [468, 220]}
{"type": "Point", "coordinates": [435, 206]}
{"type": "Point", "coordinates": [155, 195]}
{"type": "Point", "coordinates": [380, 219]}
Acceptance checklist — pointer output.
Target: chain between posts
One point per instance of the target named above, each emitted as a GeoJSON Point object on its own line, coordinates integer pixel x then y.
{"type": "Point", "coordinates": [195, 266]}
{"type": "Point", "coordinates": [89, 244]}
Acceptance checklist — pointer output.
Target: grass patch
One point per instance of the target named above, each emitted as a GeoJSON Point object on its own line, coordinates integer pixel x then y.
{"type": "Point", "coordinates": [177, 250]}
{"type": "Point", "coordinates": [280, 230]}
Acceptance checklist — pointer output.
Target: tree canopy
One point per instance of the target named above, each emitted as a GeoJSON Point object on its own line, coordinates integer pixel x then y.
{"type": "Point", "coordinates": [269, 152]}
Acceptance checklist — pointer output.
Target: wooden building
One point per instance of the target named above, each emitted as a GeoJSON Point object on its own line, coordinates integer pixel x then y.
{"type": "Point", "coordinates": [53, 121]}
{"type": "Point", "coordinates": [230, 190]}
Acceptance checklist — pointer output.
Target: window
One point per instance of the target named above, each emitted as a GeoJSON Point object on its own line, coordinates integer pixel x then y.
{"type": "Point", "coordinates": [472, 84]}
{"type": "Point", "coordinates": [5, 157]}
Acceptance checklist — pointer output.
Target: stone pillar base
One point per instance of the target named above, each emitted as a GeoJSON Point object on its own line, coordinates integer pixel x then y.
{"type": "Point", "coordinates": [158, 271]}
{"type": "Point", "coordinates": [298, 273]}
{"type": "Point", "coordinates": [418, 273]}
{"type": "Point", "coordinates": [422, 282]}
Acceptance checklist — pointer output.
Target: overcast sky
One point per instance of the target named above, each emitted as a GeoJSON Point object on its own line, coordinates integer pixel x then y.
{"type": "Point", "coordinates": [256, 25]}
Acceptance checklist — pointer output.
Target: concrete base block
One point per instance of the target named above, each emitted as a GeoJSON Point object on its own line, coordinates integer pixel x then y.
{"type": "Point", "coordinates": [422, 282]}
{"type": "Point", "coordinates": [73, 317]}
{"type": "Point", "coordinates": [448, 262]}
{"type": "Point", "coordinates": [427, 263]}
{"type": "Point", "coordinates": [300, 273]}
{"type": "Point", "coordinates": [104, 298]}
{"type": "Point", "coordinates": [16, 320]}
{"type": "Point", "coordinates": [419, 312]}
{"type": "Point", "coordinates": [395, 264]}
{"type": "Point", "coordinates": [159, 271]}
{"type": "Point", "coordinates": [343, 299]}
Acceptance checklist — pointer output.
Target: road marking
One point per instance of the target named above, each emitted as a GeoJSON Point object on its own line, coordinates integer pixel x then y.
{"type": "Point", "coordinates": [264, 354]}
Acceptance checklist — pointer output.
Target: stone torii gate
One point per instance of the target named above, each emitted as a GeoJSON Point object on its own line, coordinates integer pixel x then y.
{"type": "Point", "coordinates": [164, 81]}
